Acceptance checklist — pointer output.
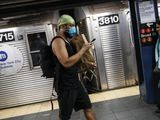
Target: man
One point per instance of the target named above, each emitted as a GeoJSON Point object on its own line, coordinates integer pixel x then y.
{"type": "Point", "coordinates": [157, 68]}
{"type": "Point", "coordinates": [71, 93]}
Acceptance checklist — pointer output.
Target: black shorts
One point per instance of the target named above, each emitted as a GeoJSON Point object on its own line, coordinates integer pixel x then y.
{"type": "Point", "coordinates": [74, 98]}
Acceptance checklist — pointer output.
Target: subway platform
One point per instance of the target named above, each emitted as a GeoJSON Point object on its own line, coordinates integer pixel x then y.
{"type": "Point", "coordinates": [121, 104]}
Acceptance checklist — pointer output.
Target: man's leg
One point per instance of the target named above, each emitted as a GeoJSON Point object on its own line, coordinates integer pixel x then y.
{"type": "Point", "coordinates": [89, 114]}
{"type": "Point", "coordinates": [83, 102]}
{"type": "Point", "coordinates": [66, 100]}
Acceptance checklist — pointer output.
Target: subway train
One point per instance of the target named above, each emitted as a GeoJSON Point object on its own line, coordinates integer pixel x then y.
{"type": "Point", "coordinates": [114, 49]}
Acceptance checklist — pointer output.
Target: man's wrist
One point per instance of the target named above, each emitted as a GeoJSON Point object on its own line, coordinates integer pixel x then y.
{"type": "Point", "coordinates": [80, 53]}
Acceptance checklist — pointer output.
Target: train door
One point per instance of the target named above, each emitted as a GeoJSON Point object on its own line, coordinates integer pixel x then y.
{"type": "Point", "coordinates": [114, 49]}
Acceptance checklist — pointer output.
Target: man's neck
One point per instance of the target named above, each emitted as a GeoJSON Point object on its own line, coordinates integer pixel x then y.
{"type": "Point", "coordinates": [64, 37]}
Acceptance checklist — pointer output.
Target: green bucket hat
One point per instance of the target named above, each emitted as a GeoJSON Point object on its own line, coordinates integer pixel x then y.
{"type": "Point", "coordinates": [65, 19]}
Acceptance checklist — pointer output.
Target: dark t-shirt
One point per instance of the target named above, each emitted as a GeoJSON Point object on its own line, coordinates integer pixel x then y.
{"type": "Point", "coordinates": [68, 77]}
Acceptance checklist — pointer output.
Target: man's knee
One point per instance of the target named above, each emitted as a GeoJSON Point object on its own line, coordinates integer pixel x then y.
{"type": "Point", "coordinates": [89, 114]}
{"type": "Point", "coordinates": [88, 110]}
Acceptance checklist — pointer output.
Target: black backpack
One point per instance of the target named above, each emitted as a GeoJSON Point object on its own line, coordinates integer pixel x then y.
{"type": "Point", "coordinates": [48, 60]}
{"type": "Point", "coordinates": [49, 65]}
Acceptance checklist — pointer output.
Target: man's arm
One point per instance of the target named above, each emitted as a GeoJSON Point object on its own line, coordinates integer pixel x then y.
{"type": "Point", "coordinates": [59, 49]}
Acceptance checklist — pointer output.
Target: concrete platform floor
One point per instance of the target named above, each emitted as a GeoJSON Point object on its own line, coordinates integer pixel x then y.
{"type": "Point", "coordinates": [124, 105]}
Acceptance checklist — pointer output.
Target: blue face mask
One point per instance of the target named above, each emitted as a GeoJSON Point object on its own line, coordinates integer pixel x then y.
{"type": "Point", "coordinates": [71, 32]}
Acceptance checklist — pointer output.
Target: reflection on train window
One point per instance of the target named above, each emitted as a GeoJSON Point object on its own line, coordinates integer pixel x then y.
{"type": "Point", "coordinates": [36, 40]}
{"type": "Point", "coordinates": [35, 58]}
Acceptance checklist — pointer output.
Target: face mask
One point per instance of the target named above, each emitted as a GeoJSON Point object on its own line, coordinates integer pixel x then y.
{"type": "Point", "coordinates": [71, 32]}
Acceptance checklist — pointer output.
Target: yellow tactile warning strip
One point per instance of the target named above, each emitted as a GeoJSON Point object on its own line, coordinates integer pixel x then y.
{"type": "Point", "coordinates": [45, 106]}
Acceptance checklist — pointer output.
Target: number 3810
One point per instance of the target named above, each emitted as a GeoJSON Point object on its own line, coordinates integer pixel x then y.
{"type": "Point", "coordinates": [106, 20]}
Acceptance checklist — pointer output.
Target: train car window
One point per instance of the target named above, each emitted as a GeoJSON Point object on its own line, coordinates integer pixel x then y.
{"type": "Point", "coordinates": [35, 41]}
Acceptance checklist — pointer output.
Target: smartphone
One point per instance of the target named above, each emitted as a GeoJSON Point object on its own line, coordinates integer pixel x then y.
{"type": "Point", "coordinates": [93, 40]}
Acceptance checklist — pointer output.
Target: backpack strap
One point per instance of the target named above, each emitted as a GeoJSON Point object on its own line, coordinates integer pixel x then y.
{"type": "Point", "coordinates": [55, 83]}
{"type": "Point", "coordinates": [55, 38]}
{"type": "Point", "coordinates": [61, 38]}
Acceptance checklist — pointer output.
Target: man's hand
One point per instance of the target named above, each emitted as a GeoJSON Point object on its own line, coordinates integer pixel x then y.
{"type": "Point", "coordinates": [86, 46]}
